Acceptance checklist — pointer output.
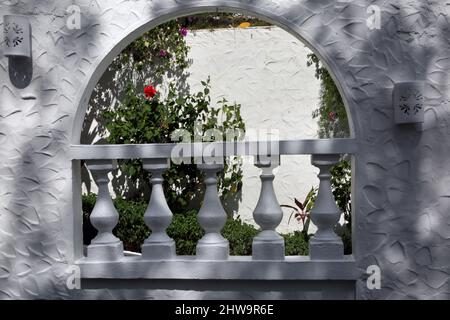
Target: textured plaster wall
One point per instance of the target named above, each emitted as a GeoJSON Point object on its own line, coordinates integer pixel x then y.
{"type": "Point", "coordinates": [401, 198]}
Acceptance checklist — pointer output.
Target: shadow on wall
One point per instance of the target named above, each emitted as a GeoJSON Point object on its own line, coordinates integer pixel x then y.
{"type": "Point", "coordinates": [400, 198]}
{"type": "Point", "coordinates": [34, 215]}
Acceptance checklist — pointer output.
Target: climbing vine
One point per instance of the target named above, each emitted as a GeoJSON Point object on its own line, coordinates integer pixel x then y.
{"type": "Point", "coordinates": [333, 123]}
{"type": "Point", "coordinates": [330, 114]}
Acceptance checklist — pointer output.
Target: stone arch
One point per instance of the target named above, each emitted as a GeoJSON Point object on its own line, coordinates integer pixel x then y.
{"type": "Point", "coordinates": [279, 16]}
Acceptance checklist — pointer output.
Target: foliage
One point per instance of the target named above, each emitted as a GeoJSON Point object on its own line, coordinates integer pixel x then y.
{"type": "Point", "coordinates": [341, 188]}
{"type": "Point", "coordinates": [160, 50]}
{"type": "Point", "coordinates": [122, 115]}
{"type": "Point", "coordinates": [240, 235]}
{"type": "Point", "coordinates": [161, 53]}
{"type": "Point", "coordinates": [296, 243]}
{"type": "Point", "coordinates": [184, 229]}
{"type": "Point", "coordinates": [333, 123]}
{"type": "Point", "coordinates": [301, 210]}
{"type": "Point", "coordinates": [140, 120]}
{"type": "Point", "coordinates": [158, 54]}
{"type": "Point", "coordinates": [341, 185]}
{"type": "Point", "coordinates": [331, 113]}
{"type": "Point", "coordinates": [131, 226]}
{"type": "Point", "coordinates": [220, 20]}
{"type": "Point", "coordinates": [186, 232]}
{"type": "Point", "coordinates": [88, 203]}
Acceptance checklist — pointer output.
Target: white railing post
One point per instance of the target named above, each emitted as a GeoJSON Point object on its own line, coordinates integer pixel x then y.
{"type": "Point", "coordinates": [268, 244]}
{"type": "Point", "coordinates": [325, 244]}
{"type": "Point", "coordinates": [104, 216]}
{"type": "Point", "coordinates": [158, 216]}
{"type": "Point", "coordinates": [212, 218]}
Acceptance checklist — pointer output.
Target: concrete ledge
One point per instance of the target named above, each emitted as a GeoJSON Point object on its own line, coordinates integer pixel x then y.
{"type": "Point", "coordinates": [235, 268]}
{"type": "Point", "coordinates": [143, 289]}
{"type": "Point", "coordinates": [164, 150]}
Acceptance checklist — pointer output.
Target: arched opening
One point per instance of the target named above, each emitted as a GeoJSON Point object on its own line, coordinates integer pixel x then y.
{"type": "Point", "coordinates": [103, 65]}
{"type": "Point", "coordinates": [136, 31]}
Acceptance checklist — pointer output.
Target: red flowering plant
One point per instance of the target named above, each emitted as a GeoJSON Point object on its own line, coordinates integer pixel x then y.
{"type": "Point", "coordinates": [151, 117]}
{"type": "Point", "coordinates": [150, 92]}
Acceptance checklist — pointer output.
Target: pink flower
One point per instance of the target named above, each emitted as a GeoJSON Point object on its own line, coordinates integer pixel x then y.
{"type": "Point", "coordinates": [332, 116]}
{"type": "Point", "coordinates": [184, 32]}
{"type": "Point", "coordinates": [163, 53]}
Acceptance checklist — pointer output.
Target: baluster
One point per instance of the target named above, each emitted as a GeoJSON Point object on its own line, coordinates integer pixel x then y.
{"type": "Point", "coordinates": [212, 218]}
{"type": "Point", "coordinates": [104, 216]}
{"type": "Point", "coordinates": [268, 244]}
{"type": "Point", "coordinates": [325, 244]}
{"type": "Point", "coordinates": [158, 215]}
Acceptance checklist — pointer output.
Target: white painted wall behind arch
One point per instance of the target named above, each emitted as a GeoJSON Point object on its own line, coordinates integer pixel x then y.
{"type": "Point", "coordinates": [264, 69]}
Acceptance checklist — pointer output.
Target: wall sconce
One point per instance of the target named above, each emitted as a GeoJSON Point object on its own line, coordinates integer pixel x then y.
{"type": "Point", "coordinates": [409, 102]}
{"type": "Point", "coordinates": [17, 47]}
{"type": "Point", "coordinates": [17, 36]}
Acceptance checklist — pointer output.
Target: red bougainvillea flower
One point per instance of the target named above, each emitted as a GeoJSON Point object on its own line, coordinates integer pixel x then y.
{"type": "Point", "coordinates": [332, 116]}
{"type": "Point", "coordinates": [184, 31]}
{"type": "Point", "coordinates": [150, 92]}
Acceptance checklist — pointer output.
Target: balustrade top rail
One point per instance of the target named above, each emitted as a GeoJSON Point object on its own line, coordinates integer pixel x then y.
{"type": "Point", "coordinates": [244, 148]}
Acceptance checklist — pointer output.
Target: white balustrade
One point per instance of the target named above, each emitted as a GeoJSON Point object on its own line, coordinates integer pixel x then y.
{"type": "Point", "coordinates": [104, 216]}
{"type": "Point", "coordinates": [158, 246]}
{"type": "Point", "coordinates": [325, 244]}
{"type": "Point", "coordinates": [268, 244]}
{"type": "Point", "coordinates": [212, 218]}
{"type": "Point", "coordinates": [107, 260]}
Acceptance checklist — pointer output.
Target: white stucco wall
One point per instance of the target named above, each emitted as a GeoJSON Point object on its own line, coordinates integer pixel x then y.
{"type": "Point", "coordinates": [401, 172]}
{"type": "Point", "coordinates": [264, 69]}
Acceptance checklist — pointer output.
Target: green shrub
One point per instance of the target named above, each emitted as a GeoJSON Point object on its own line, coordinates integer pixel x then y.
{"type": "Point", "coordinates": [330, 114]}
{"type": "Point", "coordinates": [220, 20]}
{"type": "Point", "coordinates": [333, 123]}
{"type": "Point", "coordinates": [240, 235]}
{"type": "Point", "coordinates": [296, 243]}
{"type": "Point", "coordinates": [140, 120]}
{"type": "Point", "coordinates": [131, 225]}
{"type": "Point", "coordinates": [89, 232]}
{"type": "Point", "coordinates": [184, 229]}
{"type": "Point", "coordinates": [341, 176]}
